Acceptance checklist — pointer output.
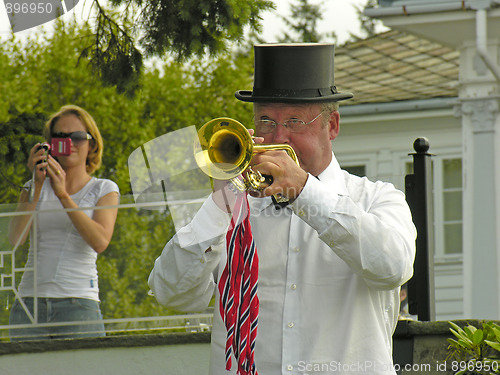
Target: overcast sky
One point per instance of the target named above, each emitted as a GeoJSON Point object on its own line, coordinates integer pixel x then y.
{"type": "Point", "coordinates": [339, 16]}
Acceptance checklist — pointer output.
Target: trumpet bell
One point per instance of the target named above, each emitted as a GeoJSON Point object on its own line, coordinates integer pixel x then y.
{"type": "Point", "coordinates": [225, 148]}
{"type": "Point", "coordinates": [224, 151]}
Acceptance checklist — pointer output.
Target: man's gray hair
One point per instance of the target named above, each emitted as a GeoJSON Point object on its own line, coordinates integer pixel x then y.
{"type": "Point", "coordinates": [330, 106]}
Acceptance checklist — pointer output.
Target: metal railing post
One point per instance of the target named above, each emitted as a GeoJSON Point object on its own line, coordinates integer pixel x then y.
{"type": "Point", "coordinates": [421, 299]}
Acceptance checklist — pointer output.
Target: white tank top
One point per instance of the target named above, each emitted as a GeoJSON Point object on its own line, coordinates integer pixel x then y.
{"type": "Point", "coordinates": [66, 264]}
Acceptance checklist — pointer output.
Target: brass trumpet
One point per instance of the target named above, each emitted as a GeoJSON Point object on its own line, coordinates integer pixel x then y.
{"type": "Point", "coordinates": [225, 149]}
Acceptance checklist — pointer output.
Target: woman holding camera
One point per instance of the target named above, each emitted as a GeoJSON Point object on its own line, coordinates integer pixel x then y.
{"type": "Point", "coordinates": [65, 241]}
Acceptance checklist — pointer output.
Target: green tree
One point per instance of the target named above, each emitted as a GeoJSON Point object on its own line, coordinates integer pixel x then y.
{"type": "Point", "coordinates": [156, 28]}
{"type": "Point", "coordinates": [303, 22]}
{"type": "Point", "coordinates": [368, 25]}
{"type": "Point", "coordinates": [18, 134]}
{"type": "Point", "coordinates": [48, 71]}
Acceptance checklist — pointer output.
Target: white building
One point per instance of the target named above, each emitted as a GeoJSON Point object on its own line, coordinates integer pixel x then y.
{"type": "Point", "coordinates": [435, 75]}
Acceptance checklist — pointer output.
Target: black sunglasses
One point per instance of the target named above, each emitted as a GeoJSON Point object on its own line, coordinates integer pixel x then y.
{"type": "Point", "coordinates": [76, 137]}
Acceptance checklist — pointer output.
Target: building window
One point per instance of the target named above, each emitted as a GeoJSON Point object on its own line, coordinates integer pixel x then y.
{"type": "Point", "coordinates": [452, 206]}
{"type": "Point", "coordinates": [447, 175]}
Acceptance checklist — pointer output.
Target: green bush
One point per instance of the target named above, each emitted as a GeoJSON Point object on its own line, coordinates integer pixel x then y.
{"type": "Point", "coordinates": [475, 350]}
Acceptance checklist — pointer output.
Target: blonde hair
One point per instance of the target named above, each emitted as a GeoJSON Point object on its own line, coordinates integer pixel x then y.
{"type": "Point", "coordinates": [94, 157]}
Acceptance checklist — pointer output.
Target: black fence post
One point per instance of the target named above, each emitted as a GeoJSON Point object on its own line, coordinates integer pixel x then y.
{"type": "Point", "coordinates": [421, 300]}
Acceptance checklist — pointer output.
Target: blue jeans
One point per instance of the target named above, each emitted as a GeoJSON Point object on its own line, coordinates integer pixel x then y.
{"type": "Point", "coordinates": [57, 310]}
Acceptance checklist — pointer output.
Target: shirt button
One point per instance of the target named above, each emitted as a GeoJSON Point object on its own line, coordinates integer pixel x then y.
{"type": "Point", "coordinates": [293, 286]}
{"type": "Point", "coordinates": [290, 325]}
{"type": "Point", "coordinates": [289, 367]}
{"type": "Point", "coordinates": [202, 260]}
{"type": "Point", "coordinates": [296, 250]}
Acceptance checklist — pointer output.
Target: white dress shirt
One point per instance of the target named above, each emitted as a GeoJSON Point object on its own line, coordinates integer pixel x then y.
{"type": "Point", "coordinates": [330, 268]}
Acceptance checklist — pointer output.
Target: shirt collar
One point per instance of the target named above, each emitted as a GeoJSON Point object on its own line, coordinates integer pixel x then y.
{"type": "Point", "coordinates": [332, 176]}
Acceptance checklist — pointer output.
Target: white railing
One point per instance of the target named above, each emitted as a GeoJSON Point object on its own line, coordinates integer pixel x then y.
{"type": "Point", "coordinates": [12, 267]}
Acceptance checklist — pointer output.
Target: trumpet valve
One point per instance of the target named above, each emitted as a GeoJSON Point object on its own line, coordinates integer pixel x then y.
{"type": "Point", "coordinates": [256, 181]}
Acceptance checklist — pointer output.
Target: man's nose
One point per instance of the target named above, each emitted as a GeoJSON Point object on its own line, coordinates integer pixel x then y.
{"type": "Point", "coordinates": [281, 134]}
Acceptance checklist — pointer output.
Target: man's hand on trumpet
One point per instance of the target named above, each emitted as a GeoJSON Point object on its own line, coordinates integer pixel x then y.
{"type": "Point", "coordinates": [288, 179]}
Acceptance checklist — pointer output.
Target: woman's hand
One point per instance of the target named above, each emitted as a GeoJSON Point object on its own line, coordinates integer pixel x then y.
{"type": "Point", "coordinates": [57, 177]}
{"type": "Point", "coordinates": [38, 160]}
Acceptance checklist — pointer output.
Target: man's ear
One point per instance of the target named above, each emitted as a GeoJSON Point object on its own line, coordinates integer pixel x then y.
{"type": "Point", "coordinates": [334, 125]}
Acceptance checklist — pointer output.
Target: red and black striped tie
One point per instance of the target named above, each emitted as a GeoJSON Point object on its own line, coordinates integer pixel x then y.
{"type": "Point", "coordinates": [239, 304]}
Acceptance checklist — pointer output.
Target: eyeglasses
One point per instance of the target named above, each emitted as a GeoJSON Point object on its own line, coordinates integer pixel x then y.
{"type": "Point", "coordinates": [76, 137]}
{"type": "Point", "coordinates": [294, 125]}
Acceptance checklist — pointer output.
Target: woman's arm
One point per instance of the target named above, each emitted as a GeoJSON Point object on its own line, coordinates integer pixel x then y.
{"type": "Point", "coordinates": [97, 230]}
{"type": "Point", "coordinates": [20, 225]}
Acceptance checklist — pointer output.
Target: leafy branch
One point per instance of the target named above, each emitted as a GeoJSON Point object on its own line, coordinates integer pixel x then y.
{"type": "Point", "coordinates": [183, 28]}
{"type": "Point", "coordinates": [477, 349]}
{"type": "Point", "coordinates": [113, 54]}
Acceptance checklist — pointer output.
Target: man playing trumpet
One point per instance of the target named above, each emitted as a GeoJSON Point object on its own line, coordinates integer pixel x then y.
{"type": "Point", "coordinates": [331, 262]}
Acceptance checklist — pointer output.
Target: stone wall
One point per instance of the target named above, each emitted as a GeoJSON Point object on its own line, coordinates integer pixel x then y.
{"type": "Point", "coordinates": [421, 347]}
{"type": "Point", "coordinates": [167, 354]}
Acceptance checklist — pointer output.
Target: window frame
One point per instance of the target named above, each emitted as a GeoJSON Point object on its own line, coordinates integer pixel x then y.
{"type": "Point", "coordinates": [438, 191]}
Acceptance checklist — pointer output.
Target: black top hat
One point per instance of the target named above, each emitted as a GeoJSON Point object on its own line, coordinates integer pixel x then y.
{"type": "Point", "coordinates": [293, 73]}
